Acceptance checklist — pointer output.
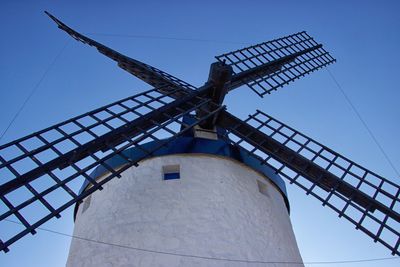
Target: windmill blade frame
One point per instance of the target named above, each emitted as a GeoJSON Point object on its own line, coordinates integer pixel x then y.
{"type": "Point", "coordinates": [148, 116]}
{"type": "Point", "coordinates": [367, 200]}
{"type": "Point", "coordinates": [267, 66]}
{"type": "Point", "coordinates": [149, 74]}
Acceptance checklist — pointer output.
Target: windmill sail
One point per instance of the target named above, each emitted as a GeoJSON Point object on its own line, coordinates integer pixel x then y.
{"type": "Point", "coordinates": [267, 66]}
{"type": "Point", "coordinates": [149, 74]}
{"type": "Point", "coordinates": [42, 168]}
{"type": "Point", "coordinates": [364, 198]}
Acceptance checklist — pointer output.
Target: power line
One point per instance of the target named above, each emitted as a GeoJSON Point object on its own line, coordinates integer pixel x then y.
{"type": "Point", "coordinates": [205, 257]}
{"type": "Point", "coordinates": [34, 89]}
{"type": "Point", "coordinates": [157, 37]}
{"type": "Point", "coordinates": [364, 123]}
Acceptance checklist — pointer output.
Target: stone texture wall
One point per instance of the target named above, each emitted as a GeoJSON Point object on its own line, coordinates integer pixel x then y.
{"type": "Point", "coordinates": [214, 210]}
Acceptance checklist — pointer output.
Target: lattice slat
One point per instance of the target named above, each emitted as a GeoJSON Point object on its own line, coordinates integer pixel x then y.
{"type": "Point", "coordinates": [364, 198]}
{"type": "Point", "coordinates": [275, 63]}
{"type": "Point", "coordinates": [41, 174]}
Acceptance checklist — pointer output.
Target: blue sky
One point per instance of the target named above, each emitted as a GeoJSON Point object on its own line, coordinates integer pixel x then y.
{"type": "Point", "coordinates": [362, 35]}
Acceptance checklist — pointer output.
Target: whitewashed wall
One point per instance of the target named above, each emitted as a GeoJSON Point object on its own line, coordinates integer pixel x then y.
{"type": "Point", "coordinates": [214, 210]}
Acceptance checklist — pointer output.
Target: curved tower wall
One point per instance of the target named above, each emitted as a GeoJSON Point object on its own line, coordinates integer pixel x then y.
{"type": "Point", "coordinates": [219, 208]}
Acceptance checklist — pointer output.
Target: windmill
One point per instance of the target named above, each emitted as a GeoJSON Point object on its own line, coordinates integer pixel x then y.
{"type": "Point", "coordinates": [103, 144]}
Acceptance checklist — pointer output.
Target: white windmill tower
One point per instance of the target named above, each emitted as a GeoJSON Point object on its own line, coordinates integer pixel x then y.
{"type": "Point", "coordinates": [198, 196]}
{"type": "Point", "coordinates": [195, 197]}
{"type": "Point", "coordinates": [206, 191]}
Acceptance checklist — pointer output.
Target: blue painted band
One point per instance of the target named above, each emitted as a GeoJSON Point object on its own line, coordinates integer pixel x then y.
{"type": "Point", "coordinates": [191, 145]}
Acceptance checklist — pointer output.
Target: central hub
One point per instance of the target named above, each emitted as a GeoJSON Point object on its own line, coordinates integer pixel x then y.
{"type": "Point", "coordinates": [220, 75]}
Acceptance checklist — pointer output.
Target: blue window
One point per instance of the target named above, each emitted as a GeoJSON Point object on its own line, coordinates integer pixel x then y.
{"type": "Point", "coordinates": [171, 172]}
{"type": "Point", "coordinates": [171, 176]}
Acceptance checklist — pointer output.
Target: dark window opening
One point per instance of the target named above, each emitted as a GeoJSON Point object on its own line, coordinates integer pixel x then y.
{"type": "Point", "coordinates": [263, 188]}
{"type": "Point", "coordinates": [171, 172]}
{"type": "Point", "coordinates": [86, 203]}
{"type": "Point", "coordinates": [171, 176]}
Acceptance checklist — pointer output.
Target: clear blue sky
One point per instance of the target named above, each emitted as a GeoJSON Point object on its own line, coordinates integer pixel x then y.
{"type": "Point", "coordinates": [364, 36]}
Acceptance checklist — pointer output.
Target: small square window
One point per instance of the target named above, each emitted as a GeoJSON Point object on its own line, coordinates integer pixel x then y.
{"type": "Point", "coordinates": [263, 188]}
{"type": "Point", "coordinates": [171, 172]}
{"type": "Point", "coordinates": [86, 203]}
